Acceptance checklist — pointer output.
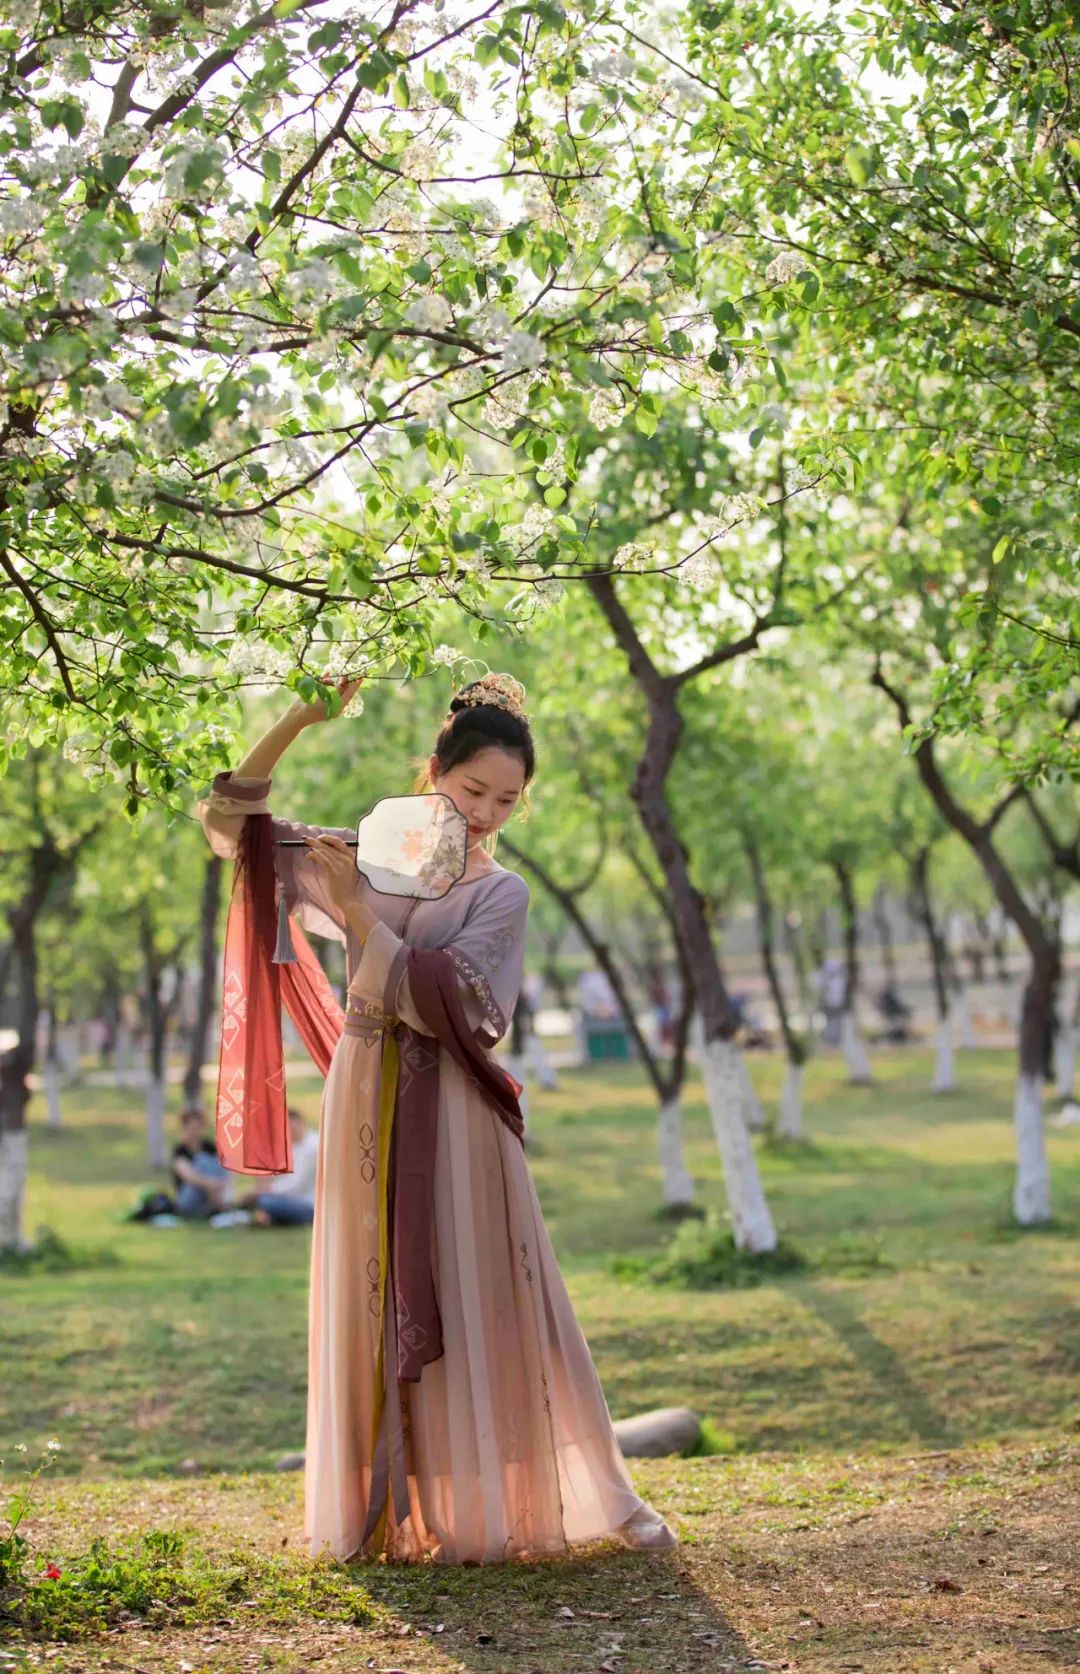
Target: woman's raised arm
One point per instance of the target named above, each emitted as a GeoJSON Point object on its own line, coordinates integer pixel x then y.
{"type": "Point", "coordinates": [264, 756]}
{"type": "Point", "coordinates": [244, 789]}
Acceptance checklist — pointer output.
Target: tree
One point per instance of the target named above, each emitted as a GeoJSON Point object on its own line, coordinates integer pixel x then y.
{"type": "Point", "coordinates": [256, 312]}
{"type": "Point", "coordinates": [47, 822]}
{"type": "Point", "coordinates": [902, 184]}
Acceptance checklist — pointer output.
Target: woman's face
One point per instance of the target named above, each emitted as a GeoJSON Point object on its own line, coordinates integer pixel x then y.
{"type": "Point", "coordinates": [486, 788]}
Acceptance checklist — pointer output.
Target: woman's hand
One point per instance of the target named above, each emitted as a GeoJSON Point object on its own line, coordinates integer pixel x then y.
{"type": "Point", "coordinates": [337, 863]}
{"type": "Point", "coordinates": [309, 714]}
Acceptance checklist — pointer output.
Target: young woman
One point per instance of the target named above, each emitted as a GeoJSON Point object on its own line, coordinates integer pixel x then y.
{"type": "Point", "coordinates": [454, 1410]}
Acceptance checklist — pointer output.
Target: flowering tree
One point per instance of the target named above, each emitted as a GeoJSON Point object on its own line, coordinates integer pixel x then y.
{"type": "Point", "coordinates": [909, 176]}
{"type": "Point", "coordinates": [278, 286]}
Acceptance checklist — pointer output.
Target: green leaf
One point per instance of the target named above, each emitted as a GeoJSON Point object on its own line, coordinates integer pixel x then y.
{"type": "Point", "coordinates": [401, 91]}
{"type": "Point", "coordinates": [859, 162]}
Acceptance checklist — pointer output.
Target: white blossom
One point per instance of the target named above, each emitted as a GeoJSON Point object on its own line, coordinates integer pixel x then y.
{"type": "Point", "coordinates": [19, 215]}
{"type": "Point", "coordinates": [785, 266]}
{"type": "Point", "coordinates": [616, 66]}
{"type": "Point", "coordinates": [493, 322]}
{"type": "Point", "coordinates": [429, 403]}
{"type": "Point", "coordinates": [430, 313]}
{"type": "Point", "coordinates": [419, 159]}
{"type": "Point", "coordinates": [606, 410]}
{"type": "Point", "coordinates": [539, 208]}
{"type": "Point", "coordinates": [632, 552]}
{"type": "Point", "coordinates": [521, 349]}
{"type": "Point", "coordinates": [699, 571]}
{"type": "Point", "coordinates": [687, 92]}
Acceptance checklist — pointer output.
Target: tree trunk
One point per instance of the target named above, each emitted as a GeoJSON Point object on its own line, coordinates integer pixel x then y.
{"type": "Point", "coordinates": [884, 935]}
{"type": "Point", "coordinates": [52, 1069]}
{"type": "Point", "coordinates": [960, 1012]}
{"type": "Point", "coordinates": [795, 942]}
{"type": "Point", "coordinates": [158, 1015]}
{"type": "Point", "coordinates": [208, 962]}
{"type": "Point", "coordinates": [1031, 1192]}
{"type": "Point", "coordinates": [16, 1064]}
{"type": "Point", "coordinates": [666, 1080]}
{"type": "Point", "coordinates": [790, 1123]}
{"type": "Point", "coordinates": [752, 1224]}
{"type": "Point", "coordinates": [1066, 1038]}
{"type": "Point", "coordinates": [552, 972]}
{"type": "Point", "coordinates": [678, 1184]}
{"type": "Point", "coordinates": [852, 1044]}
{"type": "Point", "coordinates": [923, 908]}
{"type": "Point", "coordinates": [539, 1062]}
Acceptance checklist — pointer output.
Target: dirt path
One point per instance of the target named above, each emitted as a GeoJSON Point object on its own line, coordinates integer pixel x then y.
{"type": "Point", "coordinates": [942, 1563]}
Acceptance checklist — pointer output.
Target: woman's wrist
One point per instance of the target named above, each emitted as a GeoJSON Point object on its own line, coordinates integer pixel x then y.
{"type": "Point", "coordinates": [359, 918]}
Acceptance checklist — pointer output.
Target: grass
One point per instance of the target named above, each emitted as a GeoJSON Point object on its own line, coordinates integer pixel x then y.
{"type": "Point", "coordinates": [893, 1428]}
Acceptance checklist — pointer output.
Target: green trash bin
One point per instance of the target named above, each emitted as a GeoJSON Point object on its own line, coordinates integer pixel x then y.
{"type": "Point", "coordinates": [606, 1038]}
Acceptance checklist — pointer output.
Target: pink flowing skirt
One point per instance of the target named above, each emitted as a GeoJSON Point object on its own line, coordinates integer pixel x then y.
{"type": "Point", "coordinates": [508, 1437]}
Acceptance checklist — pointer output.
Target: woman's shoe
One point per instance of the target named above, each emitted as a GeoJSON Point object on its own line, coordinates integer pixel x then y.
{"type": "Point", "coordinates": [646, 1531]}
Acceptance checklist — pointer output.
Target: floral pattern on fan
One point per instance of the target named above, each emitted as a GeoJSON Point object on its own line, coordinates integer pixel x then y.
{"type": "Point", "coordinates": [427, 853]}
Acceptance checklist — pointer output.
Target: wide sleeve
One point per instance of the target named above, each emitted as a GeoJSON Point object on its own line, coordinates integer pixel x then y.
{"type": "Point", "coordinates": [223, 814]}
{"type": "Point", "coordinates": [488, 950]}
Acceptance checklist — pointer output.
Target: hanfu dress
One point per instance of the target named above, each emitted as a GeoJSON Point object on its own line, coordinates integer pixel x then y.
{"type": "Point", "coordinates": [507, 1438]}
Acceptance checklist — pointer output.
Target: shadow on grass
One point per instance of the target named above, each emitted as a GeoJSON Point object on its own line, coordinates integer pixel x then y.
{"type": "Point", "coordinates": [897, 1389]}
{"type": "Point", "coordinates": [593, 1609]}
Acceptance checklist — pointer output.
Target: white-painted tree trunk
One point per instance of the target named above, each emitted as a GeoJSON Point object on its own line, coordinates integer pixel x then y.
{"type": "Point", "coordinates": [1065, 1045]}
{"type": "Point", "coordinates": [155, 1123]}
{"type": "Point", "coordinates": [752, 1111]}
{"type": "Point", "coordinates": [1031, 1194]}
{"type": "Point", "coordinates": [519, 1069]}
{"type": "Point", "coordinates": [536, 1055]}
{"type": "Point", "coordinates": [69, 1051]}
{"type": "Point", "coordinates": [751, 1222]}
{"type": "Point", "coordinates": [963, 1028]}
{"type": "Point", "coordinates": [790, 1121]}
{"type": "Point", "coordinates": [122, 1055]}
{"type": "Point", "coordinates": [945, 1073]}
{"type": "Point", "coordinates": [678, 1184]}
{"type": "Point", "coordinates": [14, 1163]}
{"type": "Point", "coordinates": [51, 1078]}
{"type": "Point", "coordinates": [853, 1047]}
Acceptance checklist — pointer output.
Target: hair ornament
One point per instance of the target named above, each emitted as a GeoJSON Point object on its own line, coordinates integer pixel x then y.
{"type": "Point", "coordinates": [502, 691]}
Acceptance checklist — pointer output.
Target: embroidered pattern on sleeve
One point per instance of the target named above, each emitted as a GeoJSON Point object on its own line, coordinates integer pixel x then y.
{"type": "Point", "coordinates": [497, 947]}
{"type": "Point", "coordinates": [481, 987]}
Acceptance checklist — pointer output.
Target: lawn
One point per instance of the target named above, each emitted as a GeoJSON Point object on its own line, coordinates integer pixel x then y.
{"type": "Point", "coordinates": [896, 1427]}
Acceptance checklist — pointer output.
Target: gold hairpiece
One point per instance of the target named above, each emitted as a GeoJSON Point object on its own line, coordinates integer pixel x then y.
{"type": "Point", "coordinates": [501, 690]}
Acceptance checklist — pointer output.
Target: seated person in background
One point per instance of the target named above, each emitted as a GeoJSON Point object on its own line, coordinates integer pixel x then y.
{"type": "Point", "coordinates": [202, 1182]}
{"type": "Point", "coordinates": [289, 1199]}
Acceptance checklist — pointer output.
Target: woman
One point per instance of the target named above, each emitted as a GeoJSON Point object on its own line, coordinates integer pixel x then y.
{"type": "Point", "coordinates": [479, 1431]}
